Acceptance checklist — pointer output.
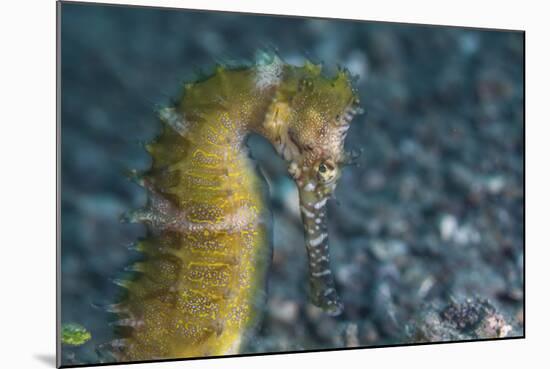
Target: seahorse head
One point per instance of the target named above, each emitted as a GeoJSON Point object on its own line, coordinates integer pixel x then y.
{"type": "Point", "coordinates": [310, 116]}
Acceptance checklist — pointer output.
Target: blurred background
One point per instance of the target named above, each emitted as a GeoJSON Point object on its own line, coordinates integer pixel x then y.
{"type": "Point", "coordinates": [427, 234]}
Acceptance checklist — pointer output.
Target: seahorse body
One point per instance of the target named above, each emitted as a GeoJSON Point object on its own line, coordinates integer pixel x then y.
{"type": "Point", "coordinates": [198, 290]}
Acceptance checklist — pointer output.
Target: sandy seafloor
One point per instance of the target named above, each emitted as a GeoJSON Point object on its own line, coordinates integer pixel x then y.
{"type": "Point", "coordinates": [427, 237]}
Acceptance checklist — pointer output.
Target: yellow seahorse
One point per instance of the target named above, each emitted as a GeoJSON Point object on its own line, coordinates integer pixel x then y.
{"type": "Point", "coordinates": [199, 289]}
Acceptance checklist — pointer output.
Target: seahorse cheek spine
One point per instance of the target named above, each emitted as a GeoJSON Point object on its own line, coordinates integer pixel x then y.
{"type": "Point", "coordinates": [201, 284]}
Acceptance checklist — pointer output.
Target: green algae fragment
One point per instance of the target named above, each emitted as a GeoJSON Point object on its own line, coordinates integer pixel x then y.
{"type": "Point", "coordinates": [74, 334]}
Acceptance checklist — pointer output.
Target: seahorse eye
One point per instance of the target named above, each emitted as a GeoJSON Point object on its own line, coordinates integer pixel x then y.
{"type": "Point", "coordinates": [326, 172]}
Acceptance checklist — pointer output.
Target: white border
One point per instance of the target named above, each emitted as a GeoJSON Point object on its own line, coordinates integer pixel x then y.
{"type": "Point", "coordinates": [27, 308]}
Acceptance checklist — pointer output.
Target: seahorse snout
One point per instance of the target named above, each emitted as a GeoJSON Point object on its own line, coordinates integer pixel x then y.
{"type": "Point", "coordinates": [322, 288]}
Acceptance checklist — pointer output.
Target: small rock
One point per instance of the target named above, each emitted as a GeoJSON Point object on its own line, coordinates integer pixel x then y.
{"type": "Point", "coordinates": [495, 185]}
{"type": "Point", "coordinates": [285, 311]}
{"type": "Point", "coordinates": [447, 227]}
{"type": "Point", "coordinates": [351, 338]}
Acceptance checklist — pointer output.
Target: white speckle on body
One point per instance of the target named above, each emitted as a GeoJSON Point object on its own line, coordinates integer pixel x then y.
{"type": "Point", "coordinates": [320, 204]}
{"type": "Point", "coordinates": [320, 274]}
{"type": "Point", "coordinates": [317, 241]}
{"type": "Point", "coordinates": [309, 187]}
{"type": "Point", "coordinates": [306, 212]}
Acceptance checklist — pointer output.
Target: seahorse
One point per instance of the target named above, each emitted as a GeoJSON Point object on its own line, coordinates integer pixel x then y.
{"type": "Point", "coordinates": [201, 284]}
